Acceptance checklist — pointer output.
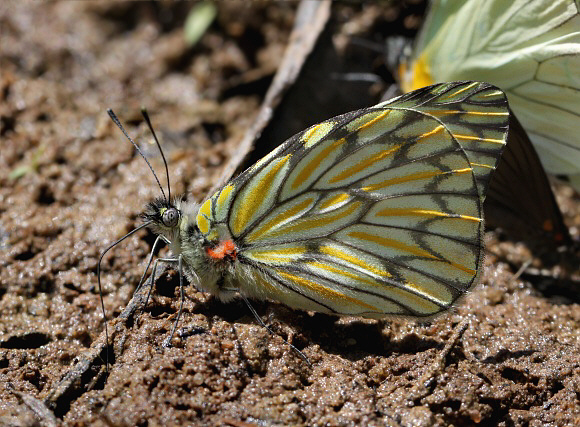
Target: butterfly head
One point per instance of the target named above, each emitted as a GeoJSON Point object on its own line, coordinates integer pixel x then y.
{"type": "Point", "coordinates": [164, 216]}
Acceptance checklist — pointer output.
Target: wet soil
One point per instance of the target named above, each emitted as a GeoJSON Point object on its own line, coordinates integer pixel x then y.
{"type": "Point", "coordinates": [70, 184]}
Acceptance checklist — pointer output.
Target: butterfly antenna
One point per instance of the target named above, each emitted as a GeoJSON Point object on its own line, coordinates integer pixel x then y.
{"type": "Point", "coordinates": [120, 126]}
{"type": "Point", "coordinates": [146, 117]}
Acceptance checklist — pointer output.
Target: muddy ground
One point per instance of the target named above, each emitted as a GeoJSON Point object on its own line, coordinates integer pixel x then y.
{"type": "Point", "coordinates": [70, 184]}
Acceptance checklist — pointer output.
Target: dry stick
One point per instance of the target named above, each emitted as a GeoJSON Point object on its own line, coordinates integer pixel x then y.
{"type": "Point", "coordinates": [43, 414]}
{"type": "Point", "coordinates": [40, 410]}
{"type": "Point", "coordinates": [73, 379]}
{"type": "Point", "coordinates": [420, 389]}
{"type": "Point", "coordinates": [523, 268]}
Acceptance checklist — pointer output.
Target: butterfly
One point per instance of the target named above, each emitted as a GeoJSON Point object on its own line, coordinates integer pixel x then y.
{"type": "Point", "coordinates": [374, 213]}
{"type": "Point", "coordinates": [520, 201]}
{"type": "Point", "coordinates": [528, 48]}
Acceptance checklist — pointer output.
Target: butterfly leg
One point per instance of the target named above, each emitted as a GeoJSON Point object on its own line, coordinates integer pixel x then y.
{"type": "Point", "coordinates": [178, 260]}
{"type": "Point", "coordinates": [261, 322]}
{"type": "Point", "coordinates": [167, 342]}
{"type": "Point", "coordinates": [151, 254]}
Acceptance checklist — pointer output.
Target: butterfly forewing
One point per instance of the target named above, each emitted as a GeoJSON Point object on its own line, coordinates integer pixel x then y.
{"type": "Point", "coordinates": [377, 212]}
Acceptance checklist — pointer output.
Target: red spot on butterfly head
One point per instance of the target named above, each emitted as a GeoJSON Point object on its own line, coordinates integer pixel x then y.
{"type": "Point", "coordinates": [225, 249]}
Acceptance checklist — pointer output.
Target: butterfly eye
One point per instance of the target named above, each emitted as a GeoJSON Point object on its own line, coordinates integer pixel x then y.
{"type": "Point", "coordinates": [170, 217]}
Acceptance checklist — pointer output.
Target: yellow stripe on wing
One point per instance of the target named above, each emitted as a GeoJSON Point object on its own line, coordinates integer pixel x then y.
{"type": "Point", "coordinates": [481, 165]}
{"type": "Point", "coordinates": [413, 177]}
{"type": "Point", "coordinates": [363, 164]}
{"type": "Point", "coordinates": [317, 132]}
{"type": "Point", "coordinates": [342, 272]}
{"type": "Point", "coordinates": [333, 201]}
{"type": "Point", "coordinates": [255, 195]}
{"type": "Point", "coordinates": [281, 219]}
{"type": "Point", "coordinates": [203, 215]}
{"type": "Point", "coordinates": [476, 138]}
{"type": "Point", "coordinates": [356, 261]}
{"type": "Point", "coordinates": [457, 92]}
{"type": "Point", "coordinates": [424, 212]}
{"type": "Point", "coordinates": [471, 113]}
{"type": "Point", "coordinates": [374, 120]}
{"type": "Point", "coordinates": [314, 163]}
{"type": "Point", "coordinates": [223, 197]}
{"type": "Point", "coordinates": [411, 249]}
{"type": "Point", "coordinates": [436, 130]}
{"type": "Point", "coordinates": [324, 291]}
{"type": "Point", "coordinates": [285, 254]}
{"type": "Point", "coordinates": [316, 221]}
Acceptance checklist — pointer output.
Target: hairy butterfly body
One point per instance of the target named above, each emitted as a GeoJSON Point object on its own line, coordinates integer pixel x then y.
{"type": "Point", "coordinates": [373, 213]}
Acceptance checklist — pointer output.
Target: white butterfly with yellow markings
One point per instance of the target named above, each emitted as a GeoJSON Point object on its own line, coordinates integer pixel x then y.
{"type": "Point", "coordinates": [374, 213]}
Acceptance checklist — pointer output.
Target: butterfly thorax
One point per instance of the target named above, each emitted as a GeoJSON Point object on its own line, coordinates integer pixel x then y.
{"type": "Point", "coordinates": [208, 260]}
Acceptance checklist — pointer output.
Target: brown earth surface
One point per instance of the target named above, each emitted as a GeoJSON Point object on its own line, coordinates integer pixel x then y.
{"type": "Point", "coordinates": [70, 184]}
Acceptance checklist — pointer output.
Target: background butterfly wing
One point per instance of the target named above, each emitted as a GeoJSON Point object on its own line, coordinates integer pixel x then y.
{"type": "Point", "coordinates": [520, 200]}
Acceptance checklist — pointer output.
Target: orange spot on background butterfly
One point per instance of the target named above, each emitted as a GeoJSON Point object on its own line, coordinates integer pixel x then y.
{"type": "Point", "coordinates": [225, 249]}
{"type": "Point", "coordinates": [548, 225]}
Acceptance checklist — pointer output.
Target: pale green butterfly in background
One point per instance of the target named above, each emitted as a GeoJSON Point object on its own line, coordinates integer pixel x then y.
{"type": "Point", "coordinates": [528, 48]}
